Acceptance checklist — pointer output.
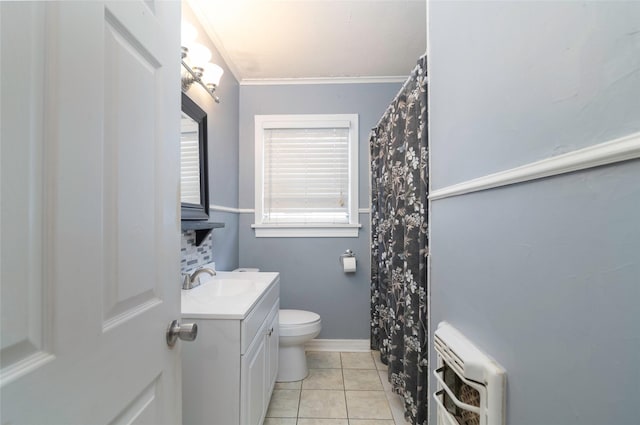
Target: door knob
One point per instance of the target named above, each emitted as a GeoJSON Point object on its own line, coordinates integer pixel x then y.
{"type": "Point", "coordinates": [186, 332]}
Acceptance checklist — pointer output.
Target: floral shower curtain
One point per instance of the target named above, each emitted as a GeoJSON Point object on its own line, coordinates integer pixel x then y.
{"type": "Point", "coordinates": [399, 248]}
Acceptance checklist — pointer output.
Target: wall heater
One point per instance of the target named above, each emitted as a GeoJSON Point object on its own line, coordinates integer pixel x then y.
{"type": "Point", "coordinates": [471, 385]}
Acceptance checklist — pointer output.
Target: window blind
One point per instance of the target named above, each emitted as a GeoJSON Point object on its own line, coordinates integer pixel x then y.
{"type": "Point", "coordinates": [190, 163]}
{"type": "Point", "coordinates": [306, 175]}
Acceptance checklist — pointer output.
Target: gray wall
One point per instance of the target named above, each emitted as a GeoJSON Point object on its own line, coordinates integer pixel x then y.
{"type": "Point", "coordinates": [222, 120]}
{"type": "Point", "coordinates": [311, 277]}
{"type": "Point", "coordinates": [544, 275]}
{"type": "Point", "coordinates": [524, 81]}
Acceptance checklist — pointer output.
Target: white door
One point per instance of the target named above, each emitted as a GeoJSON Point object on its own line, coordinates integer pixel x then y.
{"type": "Point", "coordinates": [89, 212]}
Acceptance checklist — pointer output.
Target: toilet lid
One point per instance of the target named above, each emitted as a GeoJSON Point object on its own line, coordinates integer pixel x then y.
{"type": "Point", "coordinates": [297, 317]}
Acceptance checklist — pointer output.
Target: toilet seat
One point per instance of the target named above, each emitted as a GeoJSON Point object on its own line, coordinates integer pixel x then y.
{"type": "Point", "coordinates": [298, 322]}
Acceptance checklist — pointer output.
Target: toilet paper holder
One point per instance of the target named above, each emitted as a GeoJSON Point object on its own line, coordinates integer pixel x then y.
{"type": "Point", "coordinates": [348, 261]}
{"type": "Point", "coordinates": [347, 254]}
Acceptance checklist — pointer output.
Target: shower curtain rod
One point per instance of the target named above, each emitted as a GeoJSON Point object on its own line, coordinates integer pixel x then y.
{"type": "Point", "coordinates": [404, 85]}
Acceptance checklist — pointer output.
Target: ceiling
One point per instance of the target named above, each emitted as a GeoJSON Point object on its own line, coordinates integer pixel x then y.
{"type": "Point", "coordinates": [316, 39]}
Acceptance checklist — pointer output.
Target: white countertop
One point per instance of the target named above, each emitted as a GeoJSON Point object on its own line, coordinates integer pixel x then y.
{"type": "Point", "coordinates": [228, 295]}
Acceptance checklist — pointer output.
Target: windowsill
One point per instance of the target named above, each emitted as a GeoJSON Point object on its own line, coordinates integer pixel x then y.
{"type": "Point", "coordinates": [306, 230]}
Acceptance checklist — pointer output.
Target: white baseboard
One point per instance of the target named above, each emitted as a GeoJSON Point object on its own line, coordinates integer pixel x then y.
{"type": "Point", "coordinates": [345, 345]}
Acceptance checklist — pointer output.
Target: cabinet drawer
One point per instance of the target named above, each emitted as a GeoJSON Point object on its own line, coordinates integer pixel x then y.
{"type": "Point", "coordinates": [257, 316]}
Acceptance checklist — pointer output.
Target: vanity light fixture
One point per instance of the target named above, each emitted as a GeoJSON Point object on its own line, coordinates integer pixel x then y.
{"type": "Point", "coordinates": [196, 65]}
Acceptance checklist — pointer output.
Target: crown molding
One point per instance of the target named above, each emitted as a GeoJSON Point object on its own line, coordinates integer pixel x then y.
{"type": "Point", "coordinates": [328, 80]}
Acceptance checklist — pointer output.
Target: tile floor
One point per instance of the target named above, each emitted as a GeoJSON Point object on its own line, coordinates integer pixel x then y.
{"type": "Point", "coordinates": [341, 389]}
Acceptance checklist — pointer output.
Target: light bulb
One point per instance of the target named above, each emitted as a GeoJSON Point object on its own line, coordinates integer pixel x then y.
{"type": "Point", "coordinates": [199, 55]}
{"type": "Point", "coordinates": [212, 74]}
{"type": "Point", "coordinates": [188, 34]}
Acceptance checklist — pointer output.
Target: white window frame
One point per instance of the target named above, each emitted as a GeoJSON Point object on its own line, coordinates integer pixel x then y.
{"type": "Point", "coordinates": [263, 122]}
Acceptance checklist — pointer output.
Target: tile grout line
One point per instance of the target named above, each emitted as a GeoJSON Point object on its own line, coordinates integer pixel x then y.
{"type": "Point", "coordinates": [344, 389]}
{"type": "Point", "coordinates": [299, 402]}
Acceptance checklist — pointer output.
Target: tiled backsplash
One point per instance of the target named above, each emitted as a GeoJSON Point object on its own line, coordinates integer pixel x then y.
{"type": "Point", "coordinates": [193, 256]}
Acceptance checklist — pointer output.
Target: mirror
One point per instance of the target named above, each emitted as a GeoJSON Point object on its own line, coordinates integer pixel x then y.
{"type": "Point", "coordinates": [194, 181]}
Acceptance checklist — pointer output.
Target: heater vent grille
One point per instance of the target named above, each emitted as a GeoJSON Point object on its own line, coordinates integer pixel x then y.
{"type": "Point", "coordinates": [450, 356]}
{"type": "Point", "coordinates": [471, 385]}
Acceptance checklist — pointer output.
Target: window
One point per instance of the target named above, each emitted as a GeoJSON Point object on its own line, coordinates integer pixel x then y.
{"type": "Point", "coordinates": [306, 175]}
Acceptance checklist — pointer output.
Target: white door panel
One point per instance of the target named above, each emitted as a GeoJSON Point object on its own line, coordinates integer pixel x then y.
{"type": "Point", "coordinates": [24, 335]}
{"type": "Point", "coordinates": [89, 219]}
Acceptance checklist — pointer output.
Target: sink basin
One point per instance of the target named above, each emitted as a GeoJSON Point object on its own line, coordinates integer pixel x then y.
{"type": "Point", "coordinates": [227, 295]}
{"type": "Point", "coordinates": [229, 287]}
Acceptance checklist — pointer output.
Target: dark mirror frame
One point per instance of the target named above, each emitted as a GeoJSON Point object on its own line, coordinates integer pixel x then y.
{"type": "Point", "coordinates": [189, 211]}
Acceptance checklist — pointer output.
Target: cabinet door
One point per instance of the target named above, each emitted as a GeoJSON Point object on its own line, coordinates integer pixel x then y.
{"type": "Point", "coordinates": [273, 340]}
{"type": "Point", "coordinates": [254, 384]}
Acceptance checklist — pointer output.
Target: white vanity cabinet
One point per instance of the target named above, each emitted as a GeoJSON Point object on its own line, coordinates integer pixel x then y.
{"type": "Point", "coordinates": [229, 371]}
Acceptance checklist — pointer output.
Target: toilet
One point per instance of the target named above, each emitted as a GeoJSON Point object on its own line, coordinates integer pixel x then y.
{"type": "Point", "coordinates": [297, 327]}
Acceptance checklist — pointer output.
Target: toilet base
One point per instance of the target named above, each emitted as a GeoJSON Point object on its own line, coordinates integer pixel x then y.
{"type": "Point", "coordinates": [292, 364]}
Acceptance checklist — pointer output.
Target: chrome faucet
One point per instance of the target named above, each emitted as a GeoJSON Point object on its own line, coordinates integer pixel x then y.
{"type": "Point", "coordinates": [189, 280]}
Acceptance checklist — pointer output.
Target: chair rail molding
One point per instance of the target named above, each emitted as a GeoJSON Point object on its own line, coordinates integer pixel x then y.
{"type": "Point", "coordinates": [251, 210]}
{"type": "Point", "coordinates": [221, 208]}
{"type": "Point", "coordinates": [617, 150]}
